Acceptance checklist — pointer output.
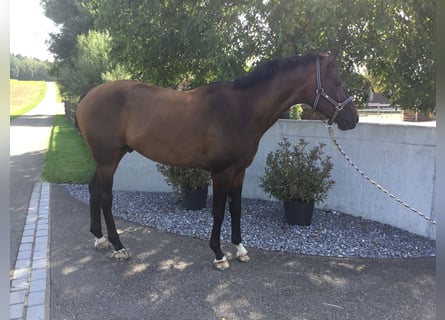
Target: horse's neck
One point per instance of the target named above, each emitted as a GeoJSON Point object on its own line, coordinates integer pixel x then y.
{"type": "Point", "coordinates": [273, 98]}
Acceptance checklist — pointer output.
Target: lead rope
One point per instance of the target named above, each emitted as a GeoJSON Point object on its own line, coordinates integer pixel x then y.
{"type": "Point", "coordinates": [339, 148]}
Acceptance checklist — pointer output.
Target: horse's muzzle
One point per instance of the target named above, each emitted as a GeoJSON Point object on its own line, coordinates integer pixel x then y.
{"type": "Point", "coordinates": [347, 124]}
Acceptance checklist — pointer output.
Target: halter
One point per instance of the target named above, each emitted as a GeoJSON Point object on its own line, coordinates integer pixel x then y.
{"type": "Point", "coordinates": [321, 93]}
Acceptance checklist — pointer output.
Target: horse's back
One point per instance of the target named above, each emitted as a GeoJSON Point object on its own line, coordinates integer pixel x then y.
{"type": "Point", "coordinates": [146, 118]}
{"type": "Point", "coordinates": [190, 128]}
{"type": "Point", "coordinates": [120, 97]}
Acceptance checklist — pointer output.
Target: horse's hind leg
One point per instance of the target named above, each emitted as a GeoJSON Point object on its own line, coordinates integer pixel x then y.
{"type": "Point", "coordinates": [221, 184]}
{"type": "Point", "coordinates": [95, 221]}
{"type": "Point", "coordinates": [105, 175]}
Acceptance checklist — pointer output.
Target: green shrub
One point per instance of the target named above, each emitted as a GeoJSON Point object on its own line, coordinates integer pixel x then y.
{"type": "Point", "coordinates": [181, 178]}
{"type": "Point", "coordinates": [293, 172]}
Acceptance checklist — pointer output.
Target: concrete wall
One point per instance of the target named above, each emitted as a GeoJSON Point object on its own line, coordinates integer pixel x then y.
{"type": "Point", "coordinates": [399, 157]}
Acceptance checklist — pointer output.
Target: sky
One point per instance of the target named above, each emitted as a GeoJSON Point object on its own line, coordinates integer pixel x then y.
{"type": "Point", "coordinates": [29, 29]}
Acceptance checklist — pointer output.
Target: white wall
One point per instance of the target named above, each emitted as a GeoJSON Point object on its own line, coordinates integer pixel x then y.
{"type": "Point", "coordinates": [399, 157]}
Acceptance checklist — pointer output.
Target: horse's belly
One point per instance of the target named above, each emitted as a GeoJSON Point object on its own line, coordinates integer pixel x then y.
{"type": "Point", "coordinates": [175, 154]}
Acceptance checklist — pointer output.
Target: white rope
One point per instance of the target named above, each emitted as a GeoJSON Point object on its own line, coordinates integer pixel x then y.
{"type": "Point", "coordinates": [378, 186]}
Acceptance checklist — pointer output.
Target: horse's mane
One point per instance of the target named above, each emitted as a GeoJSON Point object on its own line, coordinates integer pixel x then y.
{"type": "Point", "coordinates": [268, 69]}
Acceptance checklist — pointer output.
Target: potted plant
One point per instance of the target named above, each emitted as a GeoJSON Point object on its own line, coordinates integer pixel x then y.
{"type": "Point", "coordinates": [191, 184]}
{"type": "Point", "coordinates": [299, 177]}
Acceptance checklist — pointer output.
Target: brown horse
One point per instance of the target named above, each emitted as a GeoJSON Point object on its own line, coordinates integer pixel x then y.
{"type": "Point", "coordinates": [216, 127]}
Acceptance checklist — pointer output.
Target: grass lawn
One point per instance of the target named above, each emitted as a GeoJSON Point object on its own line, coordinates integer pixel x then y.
{"type": "Point", "coordinates": [67, 159]}
{"type": "Point", "coordinates": [25, 95]}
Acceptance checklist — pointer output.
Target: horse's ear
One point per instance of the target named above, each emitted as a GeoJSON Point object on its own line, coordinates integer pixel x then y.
{"type": "Point", "coordinates": [331, 55]}
{"type": "Point", "coordinates": [334, 55]}
{"type": "Point", "coordinates": [325, 53]}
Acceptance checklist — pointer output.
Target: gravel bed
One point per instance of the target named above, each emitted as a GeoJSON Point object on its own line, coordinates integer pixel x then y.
{"type": "Point", "coordinates": [331, 233]}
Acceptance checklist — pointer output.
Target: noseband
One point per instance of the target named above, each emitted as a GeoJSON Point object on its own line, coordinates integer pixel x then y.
{"type": "Point", "coordinates": [321, 93]}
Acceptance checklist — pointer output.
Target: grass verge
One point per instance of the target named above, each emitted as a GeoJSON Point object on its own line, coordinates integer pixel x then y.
{"type": "Point", "coordinates": [24, 95]}
{"type": "Point", "coordinates": [68, 159]}
{"type": "Point", "coordinates": [59, 97]}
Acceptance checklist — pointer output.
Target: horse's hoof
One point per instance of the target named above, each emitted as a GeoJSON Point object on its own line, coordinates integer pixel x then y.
{"type": "Point", "coordinates": [241, 253]}
{"type": "Point", "coordinates": [121, 254]}
{"type": "Point", "coordinates": [102, 244]}
{"type": "Point", "coordinates": [244, 258]}
{"type": "Point", "coordinates": [222, 264]}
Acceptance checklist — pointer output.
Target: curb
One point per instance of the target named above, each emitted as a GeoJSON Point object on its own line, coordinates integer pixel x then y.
{"type": "Point", "coordinates": [29, 292]}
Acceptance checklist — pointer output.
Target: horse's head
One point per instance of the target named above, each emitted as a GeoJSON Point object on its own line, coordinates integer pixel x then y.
{"type": "Point", "coordinates": [330, 97]}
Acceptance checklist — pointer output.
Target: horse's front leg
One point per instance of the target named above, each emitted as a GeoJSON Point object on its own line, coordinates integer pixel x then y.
{"type": "Point", "coordinates": [235, 214]}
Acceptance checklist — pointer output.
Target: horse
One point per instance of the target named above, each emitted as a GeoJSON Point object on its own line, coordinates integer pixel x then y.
{"type": "Point", "coordinates": [215, 127]}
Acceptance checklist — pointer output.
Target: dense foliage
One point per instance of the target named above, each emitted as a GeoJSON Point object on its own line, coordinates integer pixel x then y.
{"type": "Point", "coordinates": [168, 43]}
{"type": "Point", "coordinates": [88, 66]}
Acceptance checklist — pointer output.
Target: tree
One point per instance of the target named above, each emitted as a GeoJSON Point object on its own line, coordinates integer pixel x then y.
{"type": "Point", "coordinates": [402, 61]}
{"type": "Point", "coordinates": [170, 41]}
{"type": "Point", "coordinates": [392, 39]}
{"type": "Point", "coordinates": [167, 43]}
{"type": "Point", "coordinates": [299, 26]}
{"type": "Point", "coordinates": [24, 68]}
{"type": "Point", "coordinates": [74, 19]}
{"type": "Point", "coordinates": [89, 65]}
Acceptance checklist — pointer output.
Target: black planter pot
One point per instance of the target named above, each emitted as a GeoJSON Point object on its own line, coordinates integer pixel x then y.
{"type": "Point", "coordinates": [195, 199]}
{"type": "Point", "coordinates": [297, 212]}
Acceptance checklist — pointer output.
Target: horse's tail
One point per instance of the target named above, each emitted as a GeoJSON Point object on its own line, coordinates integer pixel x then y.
{"type": "Point", "coordinates": [76, 124]}
{"type": "Point", "coordinates": [82, 96]}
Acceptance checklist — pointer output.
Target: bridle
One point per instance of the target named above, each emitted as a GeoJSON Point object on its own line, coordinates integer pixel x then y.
{"type": "Point", "coordinates": [321, 93]}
